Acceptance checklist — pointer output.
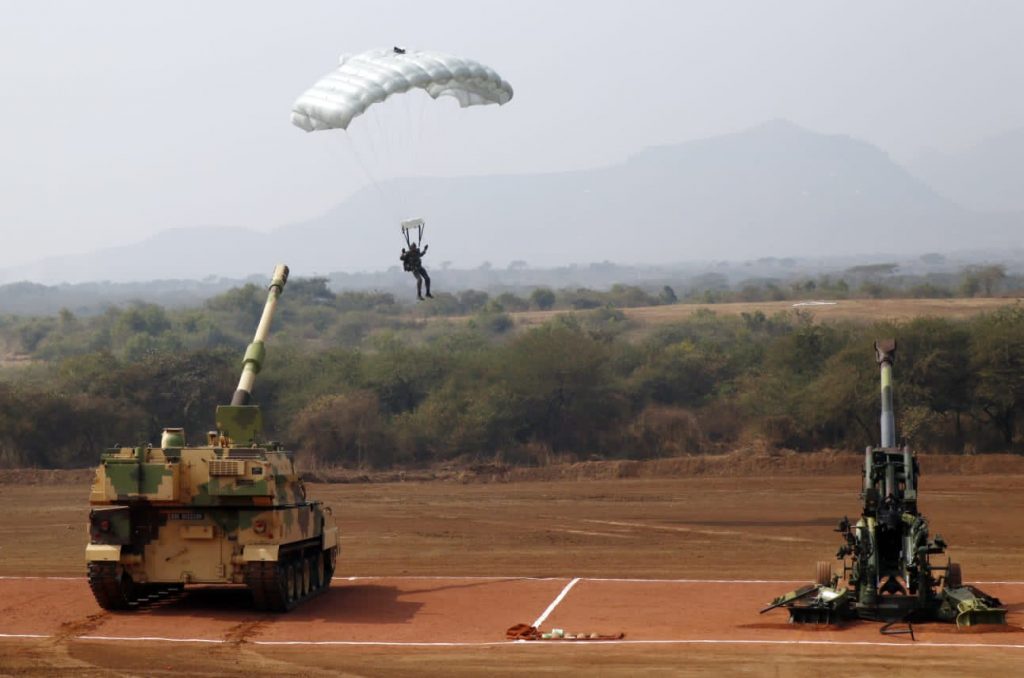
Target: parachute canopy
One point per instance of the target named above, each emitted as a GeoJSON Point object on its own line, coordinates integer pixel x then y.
{"type": "Point", "coordinates": [363, 80]}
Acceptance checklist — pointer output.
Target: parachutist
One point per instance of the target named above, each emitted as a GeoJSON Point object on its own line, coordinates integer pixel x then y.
{"type": "Point", "coordinates": [412, 262]}
{"type": "Point", "coordinates": [398, 50]}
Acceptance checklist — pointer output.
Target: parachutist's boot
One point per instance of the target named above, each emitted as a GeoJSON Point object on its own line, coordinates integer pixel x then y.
{"type": "Point", "coordinates": [429, 295]}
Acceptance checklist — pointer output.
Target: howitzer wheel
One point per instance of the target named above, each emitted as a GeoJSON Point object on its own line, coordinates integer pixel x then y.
{"type": "Point", "coordinates": [823, 573]}
{"type": "Point", "coordinates": [954, 576]}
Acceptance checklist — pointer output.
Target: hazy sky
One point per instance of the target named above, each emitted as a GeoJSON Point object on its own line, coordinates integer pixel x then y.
{"type": "Point", "coordinates": [120, 119]}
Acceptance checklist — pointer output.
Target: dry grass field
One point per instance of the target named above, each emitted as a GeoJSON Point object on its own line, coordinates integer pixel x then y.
{"type": "Point", "coordinates": [852, 309]}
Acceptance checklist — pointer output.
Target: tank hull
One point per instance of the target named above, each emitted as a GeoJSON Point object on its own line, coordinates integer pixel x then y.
{"type": "Point", "coordinates": [164, 519]}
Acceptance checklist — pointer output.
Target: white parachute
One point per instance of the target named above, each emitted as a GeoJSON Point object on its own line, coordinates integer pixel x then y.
{"type": "Point", "coordinates": [365, 79]}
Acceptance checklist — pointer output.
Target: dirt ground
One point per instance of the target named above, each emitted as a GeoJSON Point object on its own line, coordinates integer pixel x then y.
{"type": "Point", "coordinates": [432, 573]}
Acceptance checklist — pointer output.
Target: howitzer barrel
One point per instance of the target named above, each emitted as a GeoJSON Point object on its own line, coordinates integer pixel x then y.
{"type": "Point", "coordinates": [255, 353]}
{"type": "Point", "coordinates": [885, 353]}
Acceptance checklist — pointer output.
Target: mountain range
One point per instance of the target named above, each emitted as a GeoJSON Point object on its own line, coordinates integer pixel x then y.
{"type": "Point", "coordinates": [988, 176]}
{"type": "Point", "coordinates": [773, 190]}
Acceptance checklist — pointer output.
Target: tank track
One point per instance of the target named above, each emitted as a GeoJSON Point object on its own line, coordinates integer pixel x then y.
{"type": "Point", "coordinates": [114, 589]}
{"type": "Point", "coordinates": [280, 586]}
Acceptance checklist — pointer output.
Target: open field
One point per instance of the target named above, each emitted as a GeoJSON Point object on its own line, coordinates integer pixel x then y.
{"type": "Point", "coordinates": [847, 309]}
{"type": "Point", "coordinates": [432, 574]}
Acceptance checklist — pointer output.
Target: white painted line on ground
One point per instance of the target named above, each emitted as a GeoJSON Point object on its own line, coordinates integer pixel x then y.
{"type": "Point", "coordinates": [157, 639]}
{"type": "Point", "coordinates": [555, 602]}
{"type": "Point", "coordinates": [407, 577]}
{"type": "Point", "coordinates": [733, 641]}
{"type": "Point", "coordinates": [384, 643]}
{"type": "Point", "coordinates": [450, 577]}
{"type": "Point", "coordinates": [695, 581]}
{"type": "Point", "coordinates": [542, 643]}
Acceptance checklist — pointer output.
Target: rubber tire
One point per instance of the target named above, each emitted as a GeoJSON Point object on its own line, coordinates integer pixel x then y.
{"type": "Point", "coordinates": [954, 576]}
{"type": "Point", "coordinates": [307, 583]}
{"type": "Point", "coordinates": [823, 573]}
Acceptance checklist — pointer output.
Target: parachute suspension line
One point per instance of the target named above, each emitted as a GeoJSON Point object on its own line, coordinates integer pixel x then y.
{"type": "Point", "coordinates": [386, 155]}
{"type": "Point", "coordinates": [416, 120]}
{"type": "Point", "coordinates": [385, 203]}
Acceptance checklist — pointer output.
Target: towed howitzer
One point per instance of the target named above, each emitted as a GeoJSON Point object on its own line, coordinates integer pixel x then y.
{"type": "Point", "coordinates": [232, 511]}
{"type": "Point", "coordinates": [888, 574]}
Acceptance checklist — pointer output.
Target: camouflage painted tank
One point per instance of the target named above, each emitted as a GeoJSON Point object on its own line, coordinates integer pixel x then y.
{"type": "Point", "coordinates": [231, 511]}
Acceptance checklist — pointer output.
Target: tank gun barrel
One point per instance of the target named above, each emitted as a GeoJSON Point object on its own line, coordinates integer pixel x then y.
{"type": "Point", "coordinates": [885, 354]}
{"type": "Point", "coordinates": [255, 353]}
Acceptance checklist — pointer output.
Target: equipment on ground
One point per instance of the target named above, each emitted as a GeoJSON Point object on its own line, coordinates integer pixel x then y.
{"type": "Point", "coordinates": [232, 511]}
{"type": "Point", "coordinates": [888, 574]}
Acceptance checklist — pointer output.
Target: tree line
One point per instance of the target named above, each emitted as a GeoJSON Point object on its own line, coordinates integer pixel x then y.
{"type": "Point", "coordinates": [357, 379]}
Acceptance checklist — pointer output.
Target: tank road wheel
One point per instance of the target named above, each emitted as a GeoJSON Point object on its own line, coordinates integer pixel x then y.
{"type": "Point", "coordinates": [112, 587]}
{"type": "Point", "coordinates": [255, 582]}
{"type": "Point", "coordinates": [297, 578]}
{"type": "Point", "coordinates": [954, 576]}
{"type": "Point", "coordinates": [291, 594]}
{"type": "Point", "coordinates": [330, 560]}
{"type": "Point", "coordinates": [274, 583]}
{"type": "Point", "coordinates": [307, 577]}
{"type": "Point", "coordinates": [823, 573]}
{"type": "Point", "coordinates": [318, 570]}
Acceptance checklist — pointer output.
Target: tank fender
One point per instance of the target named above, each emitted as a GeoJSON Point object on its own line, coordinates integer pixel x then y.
{"type": "Point", "coordinates": [330, 537]}
{"type": "Point", "coordinates": [260, 552]}
{"type": "Point", "coordinates": [103, 552]}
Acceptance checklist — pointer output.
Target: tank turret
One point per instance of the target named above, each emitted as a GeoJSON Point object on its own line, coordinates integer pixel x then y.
{"type": "Point", "coordinates": [232, 511]}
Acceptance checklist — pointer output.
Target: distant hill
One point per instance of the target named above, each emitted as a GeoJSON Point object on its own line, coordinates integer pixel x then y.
{"type": "Point", "coordinates": [988, 176]}
{"type": "Point", "coordinates": [773, 190]}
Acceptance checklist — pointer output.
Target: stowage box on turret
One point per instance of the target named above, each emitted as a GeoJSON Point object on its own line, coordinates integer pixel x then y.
{"type": "Point", "coordinates": [231, 511]}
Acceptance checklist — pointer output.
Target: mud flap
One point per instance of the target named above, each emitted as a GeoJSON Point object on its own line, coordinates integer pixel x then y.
{"type": "Point", "coordinates": [330, 538]}
{"type": "Point", "coordinates": [103, 553]}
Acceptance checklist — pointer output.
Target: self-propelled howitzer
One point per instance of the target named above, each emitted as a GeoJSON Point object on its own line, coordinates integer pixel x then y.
{"type": "Point", "coordinates": [888, 573]}
{"type": "Point", "coordinates": [231, 511]}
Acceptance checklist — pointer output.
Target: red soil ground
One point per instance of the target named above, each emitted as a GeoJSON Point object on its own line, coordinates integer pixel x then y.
{"type": "Point", "coordinates": [418, 551]}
